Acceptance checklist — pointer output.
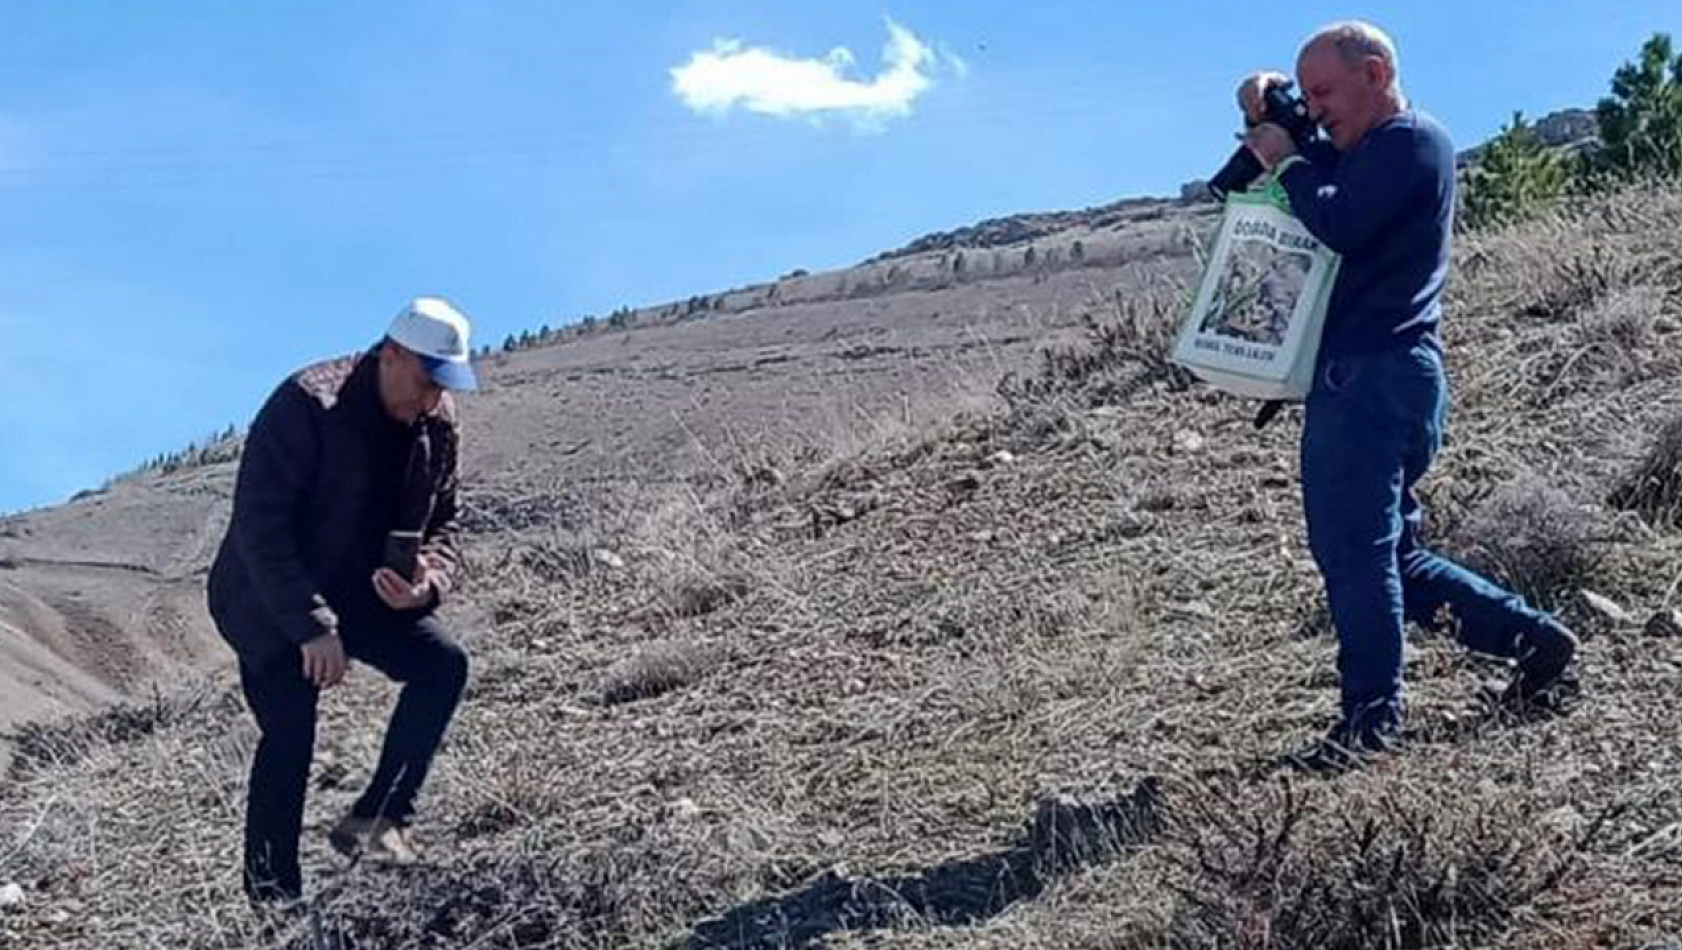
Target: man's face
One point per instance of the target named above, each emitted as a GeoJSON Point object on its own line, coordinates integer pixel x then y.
{"type": "Point", "coordinates": [406, 389]}
{"type": "Point", "coordinates": [1347, 100]}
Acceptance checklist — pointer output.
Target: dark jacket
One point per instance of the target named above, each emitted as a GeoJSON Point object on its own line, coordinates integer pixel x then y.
{"type": "Point", "coordinates": [324, 476]}
{"type": "Point", "coordinates": [1386, 205]}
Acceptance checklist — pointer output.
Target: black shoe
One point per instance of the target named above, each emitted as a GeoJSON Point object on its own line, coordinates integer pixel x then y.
{"type": "Point", "coordinates": [265, 890]}
{"type": "Point", "coordinates": [274, 901]}
{"type": "Point", "coordinates": [1545, 655]}
{"type": "Point", "coordinates": [1347, 747]}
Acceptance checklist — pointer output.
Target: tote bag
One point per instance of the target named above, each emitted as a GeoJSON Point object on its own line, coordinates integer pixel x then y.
{"type": "Point", "coordinates": [1254, 326]}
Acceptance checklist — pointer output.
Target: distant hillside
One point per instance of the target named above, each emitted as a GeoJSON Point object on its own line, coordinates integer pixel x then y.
{"type": "Point", "coordinates": [1016, 229]}
{"type": "Point", "coordinates": [101, 599]}
{"type": "Point", "coordinates": [931, 262]}
{"type": "Point", "coordinates": [1567, 130]}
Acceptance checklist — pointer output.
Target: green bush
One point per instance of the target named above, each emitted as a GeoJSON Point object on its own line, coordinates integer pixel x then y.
{"type": "Point", "coordinates": [1641, 122]}
{"type": "Point", "coordinates": [1515, 177]}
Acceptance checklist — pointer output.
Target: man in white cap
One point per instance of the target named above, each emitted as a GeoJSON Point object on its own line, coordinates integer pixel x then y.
{"type": "Point", "coordinates": [342, 545]}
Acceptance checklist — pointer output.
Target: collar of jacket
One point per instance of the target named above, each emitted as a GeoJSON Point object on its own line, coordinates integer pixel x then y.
{"type": "Point", "coordinates": [352, 383]}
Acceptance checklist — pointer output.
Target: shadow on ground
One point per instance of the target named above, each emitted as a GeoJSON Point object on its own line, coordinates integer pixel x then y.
{"type": "Point", "coordinates": [1062, 837]}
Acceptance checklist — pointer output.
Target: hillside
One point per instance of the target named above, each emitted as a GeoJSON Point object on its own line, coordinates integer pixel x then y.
{"type": "Point", "coordinates": [101, 598]}
{"type": "Point", "coordinates": [953, 645]}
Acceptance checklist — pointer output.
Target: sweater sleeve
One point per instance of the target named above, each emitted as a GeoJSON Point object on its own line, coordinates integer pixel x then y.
{"type": "Point", "coordinates": [1349, 203]}
{"type": "Point", "coordinates": [269, 497]}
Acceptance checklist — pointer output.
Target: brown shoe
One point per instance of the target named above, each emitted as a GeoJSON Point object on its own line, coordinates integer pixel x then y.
{"type": "Point", "coordinates": [350, 834]}
{"type": "Point", "coordinates": [378, 839]}
{"type": "Point", "coordinates": [389, 843]}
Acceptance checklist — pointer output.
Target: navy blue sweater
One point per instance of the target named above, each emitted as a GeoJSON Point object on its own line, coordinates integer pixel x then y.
{"type": "Point", "coordinates": [1386, 205]}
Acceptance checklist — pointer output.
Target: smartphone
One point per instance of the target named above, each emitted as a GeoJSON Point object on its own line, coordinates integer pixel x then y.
{"type": "Point", "coordinates": [402, 553]}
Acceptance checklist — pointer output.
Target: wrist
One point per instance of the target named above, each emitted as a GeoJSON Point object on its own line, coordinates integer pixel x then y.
{"type": "Point", "coordinates": [1284, 164]}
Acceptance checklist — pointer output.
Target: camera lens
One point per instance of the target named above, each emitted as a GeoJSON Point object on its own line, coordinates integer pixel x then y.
{"type": "Point", "coordinates": [1237, 174]}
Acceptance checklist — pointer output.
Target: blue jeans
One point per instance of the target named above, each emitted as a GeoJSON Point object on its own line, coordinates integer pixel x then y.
{"type": "Point", "coordinates": [1373, 424]}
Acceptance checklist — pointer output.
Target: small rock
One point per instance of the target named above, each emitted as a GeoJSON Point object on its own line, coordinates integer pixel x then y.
{"type": "Point", "coordinates": [1158, 499]}
{"type": "Point", "coordinates": [1187, 442]}
{"type": "Point", "coordinates": [964, 484]}
{"type": "Point", "coordinates": [1196, 608]}
{"type": "Point", "coordinates": [683, 809]}
{"type": "Point", "coordinates": [608, 558]}
{"type": "Point", "coordinates": [1131, 524]}
{"type": "Point", "coordinates": [1605, 608]}
{"type": "Point", "coordinates": [831, 839]}
{"type": "Point", "coordinates": [744, 840]}
{"type": "Point", "coordinates": [1665, 623]}
{"type": "Point", "coordinates": [1002, 457]}
{"type": "Point", "coordinates": [11, 896]}
{"type": "Point", "coordinates": [1564, 819]}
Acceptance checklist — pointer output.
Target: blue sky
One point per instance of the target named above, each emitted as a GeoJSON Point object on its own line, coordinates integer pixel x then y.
{"type": "Point", "coordinates": [197, 197]}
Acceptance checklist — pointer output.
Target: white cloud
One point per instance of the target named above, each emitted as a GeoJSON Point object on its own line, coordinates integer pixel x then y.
{"type": "Point", "coordinates": [731, 76]}
{"type": "Point", "coordinates": [959, 65]}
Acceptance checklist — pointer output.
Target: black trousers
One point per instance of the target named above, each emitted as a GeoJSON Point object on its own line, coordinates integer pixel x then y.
{"type": "Point", "coordinates": [433, 670]}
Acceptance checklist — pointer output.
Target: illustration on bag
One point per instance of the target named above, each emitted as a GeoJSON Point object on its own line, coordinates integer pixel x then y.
{"type": "Point", "coordinates": [1254, 326]}
{"type": "Point", "coordinates": [1255, 297]}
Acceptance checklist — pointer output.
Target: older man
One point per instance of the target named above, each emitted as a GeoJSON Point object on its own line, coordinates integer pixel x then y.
{"type": "Point", "coordinates": [341, 545]}
{"type": "Point", "coordinates": [1379, 190]}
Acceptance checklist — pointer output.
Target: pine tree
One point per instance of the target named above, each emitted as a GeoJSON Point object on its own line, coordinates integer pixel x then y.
{"type": "Point", "coordinates": [1641, 122]}
{"type": "Point", "coordinates": [1514, 178]}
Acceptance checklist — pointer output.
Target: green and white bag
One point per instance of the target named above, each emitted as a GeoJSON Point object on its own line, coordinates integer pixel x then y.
{"type": "Point", "coordinates": [1254, 327]}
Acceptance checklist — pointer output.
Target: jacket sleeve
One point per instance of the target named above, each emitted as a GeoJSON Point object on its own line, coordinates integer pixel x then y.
{"type": "Point", "coordinates": [270, 495]}
{"type": "Point", "coordinates": [1351, 202]}
{"type": "Point", "coordinates": [439, 537]}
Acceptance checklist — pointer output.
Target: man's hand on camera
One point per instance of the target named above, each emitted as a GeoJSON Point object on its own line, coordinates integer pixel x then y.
{"type": "Point", "coordinates": [400, 594]}
{"type": "Point", "coordinates": [324, 660]}
{"type": "Point", "coordinates": [1271, 144]}
{"type": "Point", "coordinates": [1252, 90]}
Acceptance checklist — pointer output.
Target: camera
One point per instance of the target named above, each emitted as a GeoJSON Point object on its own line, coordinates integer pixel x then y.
{"type": "Point", "coordinates": [1282, 109]}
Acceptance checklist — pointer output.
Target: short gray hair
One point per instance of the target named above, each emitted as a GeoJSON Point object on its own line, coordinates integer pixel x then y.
{"type": "Point", "coordinates": [1355, 40]}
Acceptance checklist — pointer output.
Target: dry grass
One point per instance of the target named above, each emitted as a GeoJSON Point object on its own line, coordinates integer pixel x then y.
{"type": "Point", "coordinates": [1393, 872]}
{"type": "Point", "coordinates": [1535, 540]}
{"type": "Point", "coordinates": [1654, 488]}
{"type": "Point", "coordinates": [43, 746]}
{"type": "Point", "coordinates": [658, 668]}
{"type": "Point", "coordinates": [1029, 695]}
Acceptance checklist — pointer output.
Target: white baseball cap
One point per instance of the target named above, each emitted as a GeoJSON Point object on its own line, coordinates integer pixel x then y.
{"type": "Point", "coordinates": [435, 331]}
